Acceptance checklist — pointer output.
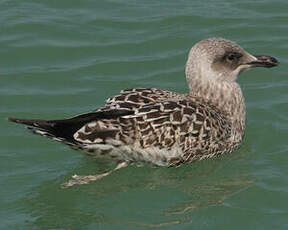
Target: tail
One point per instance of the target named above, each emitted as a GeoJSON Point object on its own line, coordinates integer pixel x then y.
{"type": "Point", "coordinates": [59, 130]}
{"type": "Point", "coordinates": [63, 130]}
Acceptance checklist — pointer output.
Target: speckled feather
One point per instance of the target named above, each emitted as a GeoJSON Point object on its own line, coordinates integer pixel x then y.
{"type": "Point", "coordinates": [163, 120]}
{"type": "Point", "coordinates": [164, 128]}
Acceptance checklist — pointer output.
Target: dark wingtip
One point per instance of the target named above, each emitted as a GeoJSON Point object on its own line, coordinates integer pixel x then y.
{"type": "Point", "coordinates": [35, 123]}
{"type": "Point", "coordinates": [12, 119]}
{"type": "Point", "coordinates": [20, 121]}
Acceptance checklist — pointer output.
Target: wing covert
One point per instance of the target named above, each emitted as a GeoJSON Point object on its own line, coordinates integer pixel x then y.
{"type": "Point", "coordinates": [190, 125]}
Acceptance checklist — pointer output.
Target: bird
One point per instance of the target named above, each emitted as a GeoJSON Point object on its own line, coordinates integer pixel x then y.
{"type": "Point", "coordinates": [161, 127]}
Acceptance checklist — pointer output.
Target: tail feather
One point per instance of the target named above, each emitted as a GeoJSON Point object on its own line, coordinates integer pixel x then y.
{"type": "Point", "coordinates": [63, 130]}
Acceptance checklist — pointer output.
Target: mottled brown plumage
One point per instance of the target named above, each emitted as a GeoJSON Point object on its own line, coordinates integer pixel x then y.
{"type": "Point", "coordinates": [162, 120]}
{"type": "Point", "coordinates": [164, 128]}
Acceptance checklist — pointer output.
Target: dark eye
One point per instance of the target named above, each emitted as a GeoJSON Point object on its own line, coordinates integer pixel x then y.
{"type": "Point", "coordinates": [231, 57]}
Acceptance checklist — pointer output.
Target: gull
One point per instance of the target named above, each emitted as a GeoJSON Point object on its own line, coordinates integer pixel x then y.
{"type": "Point", "coordinates": [164, 128]}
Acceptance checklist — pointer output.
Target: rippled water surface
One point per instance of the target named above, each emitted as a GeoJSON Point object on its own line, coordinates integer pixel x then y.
{"type": "Point", "coordinates": [61, 58]}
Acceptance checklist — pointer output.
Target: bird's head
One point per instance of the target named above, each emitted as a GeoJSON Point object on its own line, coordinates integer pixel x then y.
{"type": "Point", "coordinates": [219, 59]}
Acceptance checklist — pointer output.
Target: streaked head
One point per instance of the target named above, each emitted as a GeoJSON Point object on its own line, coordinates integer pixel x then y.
{"type": "Point", "coordinates": [219, 59]}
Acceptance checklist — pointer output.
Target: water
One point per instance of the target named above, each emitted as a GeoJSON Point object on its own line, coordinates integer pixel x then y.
{"type": "Point", "coordinates": [61, 58]}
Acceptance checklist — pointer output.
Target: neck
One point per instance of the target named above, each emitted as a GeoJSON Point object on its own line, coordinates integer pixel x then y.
{"type": "Point", "coordinates": [225, 96]}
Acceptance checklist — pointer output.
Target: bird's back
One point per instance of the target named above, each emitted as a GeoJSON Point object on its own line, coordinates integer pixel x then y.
{"type": "Point", "coordinates": [164, 128]}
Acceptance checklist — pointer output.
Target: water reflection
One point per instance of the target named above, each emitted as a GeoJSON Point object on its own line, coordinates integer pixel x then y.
{"type": "Point", "coordinates": [137, 196]}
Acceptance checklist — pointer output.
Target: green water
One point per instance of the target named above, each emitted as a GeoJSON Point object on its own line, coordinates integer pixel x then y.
{"type": "Point", "coordinates": [61, 58]}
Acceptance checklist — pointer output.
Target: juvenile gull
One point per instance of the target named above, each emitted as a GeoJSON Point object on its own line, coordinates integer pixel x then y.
{"type": "Point", "coordinates": [164, 128]}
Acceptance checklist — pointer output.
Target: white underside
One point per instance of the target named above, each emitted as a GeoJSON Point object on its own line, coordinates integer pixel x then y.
{"type": "Point", "coordinates": [152, 155]}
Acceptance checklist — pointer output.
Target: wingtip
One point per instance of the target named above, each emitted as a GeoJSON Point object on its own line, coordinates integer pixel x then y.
{"type": "Point", "coordinates": [21, 121]}
{"type": "Point", "coordinates": [11, 119]}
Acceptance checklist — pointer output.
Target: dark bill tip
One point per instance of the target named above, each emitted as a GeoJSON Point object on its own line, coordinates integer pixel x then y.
{"type": "Point", "coordinates": [264, 61]}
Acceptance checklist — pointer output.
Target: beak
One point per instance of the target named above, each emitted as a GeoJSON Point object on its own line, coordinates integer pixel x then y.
{"type": "Point", "coordinates": [263, 61]}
